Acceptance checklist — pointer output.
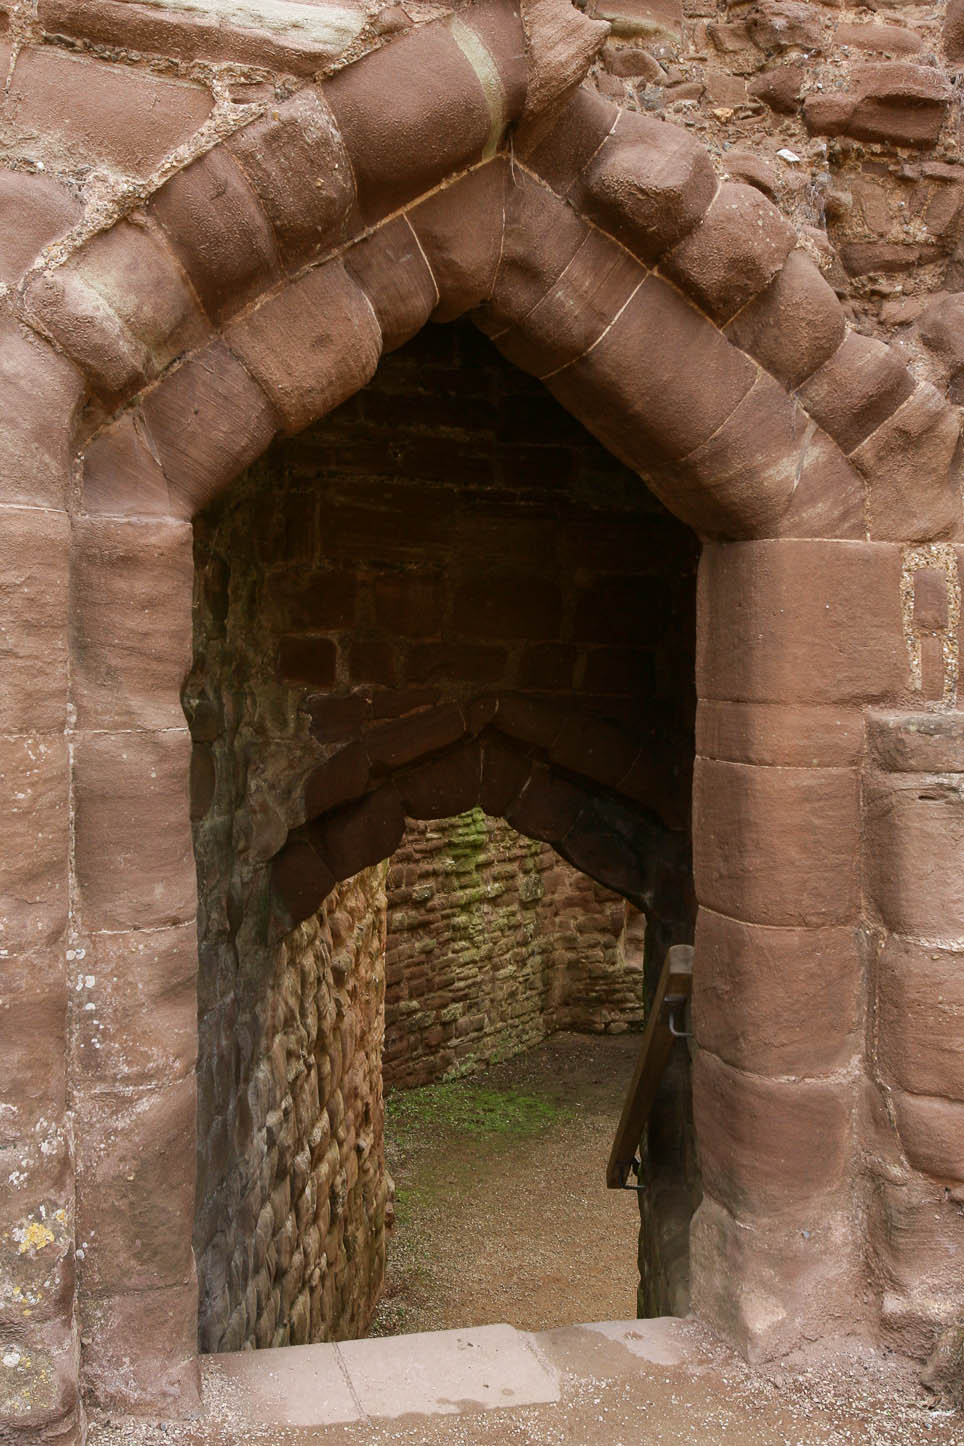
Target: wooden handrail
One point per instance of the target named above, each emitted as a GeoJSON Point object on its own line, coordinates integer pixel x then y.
{"type": "Point", "coordinates": [672, 990]}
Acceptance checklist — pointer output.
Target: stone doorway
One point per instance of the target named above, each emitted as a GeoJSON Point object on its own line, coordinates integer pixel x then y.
{"type": "Point", "coordinates": [445, 596]}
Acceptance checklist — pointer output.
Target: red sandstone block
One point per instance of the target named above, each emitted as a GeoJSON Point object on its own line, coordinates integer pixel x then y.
{"type": "Point", "coordinates": [340, 779]}
{"type": "Point", "coordinates": [779, 734]}
{"type": "Point", "coordinates": [548, 805]}
{"type": "Point", "coordinates": [394, 744]}
{"type": "Point", "coordinates": [575, 312]}
{"type": "Point", "coordinates": [529, 720]}
{"type": "Point", "coordinates": [405, 136]}
{"type": "Point", "coordinates": [920, 1016]}
{"type": "Point", "coordinates": [594, 748]}
{"type": "Point", "coordinates": [218, 231]}
{"type": "Point", "coordinates": [127, 118]}
{"type": "Point", "coordinates": [311, 346]}
{"type": "Point", "coordinates": [460, 232]}
{"type": "Point", "coordinates": [134, 860]}
{"type": "Point", "coordinates": [839, 641]}
{"type": "Point", "coordinates": [42, 391]}
{"type": "Point", "coordinates": [296, 162]}
{"type": "Point", "coordinates": [504, 771]}
{"type": "Point", "coordinates": [142, 989]}
{"type": "Point", "coordinates": [131, 619]}
{"type": "Point", "coordinates": [819, 1269]}
{"type": "Point", "coordinates": [34, 210]}
{"type": "Point", "coordinates": [33, 1028]}
{"type": "Point", "coordinates": [302, 880]}
{"type": "Point", "coordinates": [894, 102]}
{"type": "Point", "coordinates": [857, 389]}
{"type": "Point", "coordinates": [932, 1134]}
{"type": "Point", "coordinates": [122, 477]}
{"type": "Point", "coordinates": [914, 850]}
{"type": "Point", "coordinates": [335, 719]}
{"type": "Point", "coordinates": [133, 1198]}
{"type": "Point", "coordinates": [648, 185]}
{"type": "Point", "coordinates": [777, 1001]}
{"type": "Point", "coordinates": [618, 862]}
{"type": "Point", "coordinates": [908, 462]}
{"type": "Point", "coordinates": [444, 787]}
{"type": "Point", "coordinates": [372, 660]}
{"type": "Point", "coordinates": [560, 147]}
{"type": "Point", "coordinates": [829, 498]}
{"type": "Point", "coordinates": [540, 240]}
{"type": "Point", "coordinates": [930, 599]}
{"type": "Point", "coordinates": [304, 659]}
{"type": "Point", "coordinates": [770, 1147]}
{"type": "Point", "coordinates": [206, 422]}
{"type": "Point", "coordinates": [917, 743]}
{"type": "Point", "coordinates": [692, 383]}
{"type": "Point", "coordinates": [352, 838]}
{"type": "Point", "coordinates": [391, 269]}
{"type": "Point", "coordinates": [548, 665]}
{"type": "Point", "coordinates": [34, 572]}
{"type": "Point", "coordinates": [316, 601]}
{"type": "Point", "coordinates": [33, 877]}
{"type": "Point", "coordinates": [776, 845]}
{"type": "Point", "coordinates": [439, 663]}
{"type": "Point", "coordinates": [120, 308]}
{"type": "Point", "coordinates": [932, 668]}
{"type": "Point", "coordinates": [794, 326]}
{"type": "Point", "coordinates": [736, 250]}
{"type": "Point", "coordinates": [155, 1335]}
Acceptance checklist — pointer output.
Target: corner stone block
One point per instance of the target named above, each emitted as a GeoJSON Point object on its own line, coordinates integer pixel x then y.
{"type": "Point", "coordinates": [829, 498]}
{"type": "Point", "coordinates": [391, 269]}
{"type": "Point", "coordinates": [134, 859]}
{"type": "Point", "coordinates": [34, 568]}
{"type": "Point", "coordinates": [413, 113]}
{"type": "Point", "coordinates": [914, 851]}
{"type": "Point", "coordinates": [296, 162]}
{"type": "Point", "coordinates": [42, 392]}
{"type": "Point", "coordinates": [218, 231]}
{"type": "Point", "coordinates": [913, 488]}
{"type": "Point", "coordinates": [311, 346]}
{"type": "Point", "coordinates": [206, 422]}
{"type": "Point", "coordinates": [770, 1147]}
{"type": "Point", "coordinates": [857, 389]}
{"type": "Point", "coordinates": [777, 1001]}
{"type": "Point", "coordinates": [142, 1357]}
{"type": "Point", "coordinates": [776, 845]}
{"type": "Point", "coordinates": [135, 1187]}
{"type": "Point", "coordinates": [920, 1017]}
{"type": "Point", "coordinates": [735, 251]}
{"type": "Point", "coordinates": [131, 590]}
{"type": "Point", "coordinates": [122, 477]}
{"type": "Point", "coordinates": [34, 796]}
{"type": "Point", "coordinates": [764, 1287]}
{"type": "Point", "coordinates": [916, 1230]}
{"type": "Point", "coordinates": [648, 185]}
{"type": "Point", "coordinates": [741, 482]}
{"type": "Point", "coordinates": [134, 1004]}
{"type": "Point", "coordinates": [774, 733]}
{"type": "Point", "coordinates": [120, 308]}
{"type": "Point", "coordinates": [40, 1401]}
{"type": "Point", "coordinates": [794, 326]}
{"type": "Point", "coordinates": [794, 621]}
{"type": "Point", "coordinates": [460, 232]}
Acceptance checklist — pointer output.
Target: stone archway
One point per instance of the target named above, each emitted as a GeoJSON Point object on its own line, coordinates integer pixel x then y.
{"type": "Point", "coordinates": [252, 291]}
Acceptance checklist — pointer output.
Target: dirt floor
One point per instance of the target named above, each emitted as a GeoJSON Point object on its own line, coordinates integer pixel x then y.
{"type": "Point", "coordinates": [502, 1210]}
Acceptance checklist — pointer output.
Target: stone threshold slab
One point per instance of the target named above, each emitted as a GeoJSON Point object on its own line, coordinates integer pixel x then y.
{"type": "Point", "coordinates": [483, 1368]}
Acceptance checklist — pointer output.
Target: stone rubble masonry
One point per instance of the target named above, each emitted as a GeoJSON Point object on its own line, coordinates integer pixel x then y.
{"type": "Point", "coordinates": [122, 124]}
{"type": "Point", "coordinates": [493, 944]}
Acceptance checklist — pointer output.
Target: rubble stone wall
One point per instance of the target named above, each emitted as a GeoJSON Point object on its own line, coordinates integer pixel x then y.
{"type": "Point", "coordinates": [493, 944]}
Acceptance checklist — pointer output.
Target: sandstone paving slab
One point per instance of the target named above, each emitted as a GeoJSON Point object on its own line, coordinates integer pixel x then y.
{"type": "Point", "coordinates": [290, 1386]}
{"type": "Point", "coordinates": [449, 1372]}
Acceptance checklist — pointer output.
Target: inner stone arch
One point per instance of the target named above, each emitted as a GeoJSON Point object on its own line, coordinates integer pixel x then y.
{"type": "Point", "coordinates": [444, 595]}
